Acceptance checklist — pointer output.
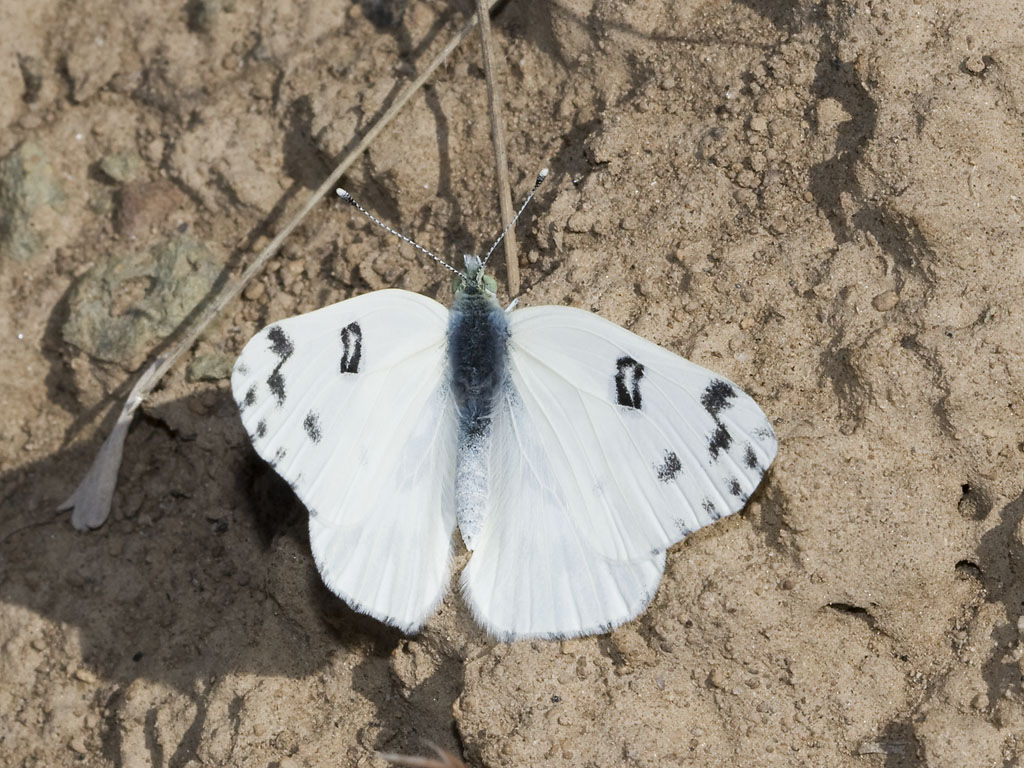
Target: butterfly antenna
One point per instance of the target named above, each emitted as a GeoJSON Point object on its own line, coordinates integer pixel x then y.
{"type": "Point", "coordinates": [536, 185]}
{"type": "Point", "coordinates": [344, 195]}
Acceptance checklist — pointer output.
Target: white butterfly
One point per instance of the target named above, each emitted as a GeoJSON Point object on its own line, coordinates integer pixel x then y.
{"type": "Point", "coordinates": [570, 452]}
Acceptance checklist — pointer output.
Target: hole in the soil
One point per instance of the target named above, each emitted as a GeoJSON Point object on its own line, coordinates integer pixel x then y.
{"type": "Point", "coordinates": [968, 570]}
{"type": "Point", "coordinates": [853, 610]}
{"type": "Point", "coordinates": [974, 502]}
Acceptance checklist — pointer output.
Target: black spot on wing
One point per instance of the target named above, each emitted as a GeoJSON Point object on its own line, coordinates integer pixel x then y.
{"type": "Point", "coordinates": [351, 348]}
{"type": "Point", "coordinates": [275, 383]}
{"type": "Point", "coordinates": [279, 455]}
{"type": "Point", "coordinates": [750, 458]}
{"type": "Point", "coordinates": [737, 490]}
{"type": "Point", "coordinates": [682, 529]}
{"type": "Point", "coordinates": [242, 369]}
{"type": "Point", "coordinates": [250, 397]}
{"type": "Point", "coordinates": [717, 397]}
{"type": "Point", "coordinates": [312, 426]}
{"type": "Point", "coordinates": [709, 506]}
{"type": "Point", "coordinates": [669, 468]}
{"type": "Point", "coordinates": [280, 344]}
{"type": "Point", "coordinates": [261, 429]}
{"type": "Point", "coordinates": [628, 373]}
{"type": "Point", "coordinates": [720, 441]}
{"type": "Point", "coordinates": [282, 348]}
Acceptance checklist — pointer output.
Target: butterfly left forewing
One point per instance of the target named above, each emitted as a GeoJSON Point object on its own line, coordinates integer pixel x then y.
{"type": "Point", "coordinates": [350, 405]}
{"type": "Point", "coordinates": [654, 446]}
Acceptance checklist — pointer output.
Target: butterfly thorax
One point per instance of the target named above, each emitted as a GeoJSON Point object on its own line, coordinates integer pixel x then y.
{"type": "Point", "coordinates": [477, 354]}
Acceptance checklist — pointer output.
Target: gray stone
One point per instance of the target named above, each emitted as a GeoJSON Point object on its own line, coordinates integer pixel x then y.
{"type": "Point", "coordinates": [209, 368]}
{"type": "Point", "coordinates": [30, 193]}
{"type": "Point", "coordinates": [122, 166]}
{"type": "Point", "coordinates": [131, 300]}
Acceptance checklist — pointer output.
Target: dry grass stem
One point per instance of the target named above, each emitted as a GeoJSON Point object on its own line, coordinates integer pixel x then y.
{"type": "Point", "coordinates": [500, 155]}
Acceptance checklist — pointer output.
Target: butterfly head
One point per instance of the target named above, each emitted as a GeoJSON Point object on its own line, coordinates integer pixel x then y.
{"type": "Point", "coordinates": [474, 279]}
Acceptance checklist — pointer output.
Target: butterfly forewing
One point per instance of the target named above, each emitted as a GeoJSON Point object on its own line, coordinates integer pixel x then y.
{"type": "Point", "coordinates": [647, 447]}
{"type": "Point", "coordinates": [350, 405]}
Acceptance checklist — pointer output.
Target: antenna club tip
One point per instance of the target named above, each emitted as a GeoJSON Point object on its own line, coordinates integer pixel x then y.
{"type": "Point", "coordinates": [344, 195]}
{"type": "Point", "coordinates": [543, 174]}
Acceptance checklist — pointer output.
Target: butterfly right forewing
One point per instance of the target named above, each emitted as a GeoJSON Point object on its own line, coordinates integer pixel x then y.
{"type": "Point", "coordinates": [650, 446]}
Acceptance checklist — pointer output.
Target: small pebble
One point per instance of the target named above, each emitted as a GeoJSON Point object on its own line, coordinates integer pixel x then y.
{"type": "Point", "coordinates": [975, 64]}
{"type": "Point", "coordinates": [885, 301]}
{"type": "Point", "coordinates": [154, 151]}
{"type": "Point", "coordinates": [758, 124]}
{"type": "Point", "coordinates": [253, 291]}
{"type": "Point", "coordinates": [747, 179]}
{"type": "Point", "coordinates": [30, 121]}
{"type": "Point", "coordinates": [717, 680]}
{"type": "Point", "coordinates": [745, 197]}
{"type": "Point", "coordinates": [85, 675]}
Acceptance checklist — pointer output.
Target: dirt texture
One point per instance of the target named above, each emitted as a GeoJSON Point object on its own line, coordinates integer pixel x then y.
{"type": "Point", "coordinates": [823, 201]}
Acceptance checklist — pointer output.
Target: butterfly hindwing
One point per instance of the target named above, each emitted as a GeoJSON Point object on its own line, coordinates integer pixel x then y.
{"type": "Point", "coordinates": [648, 447]}
{"type": "Point", "coordinates": [350, 405]}
{"type": "Point", "coordinates": [533, 573]}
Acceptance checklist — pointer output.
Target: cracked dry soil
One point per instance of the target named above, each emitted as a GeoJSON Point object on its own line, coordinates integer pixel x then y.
{"type": "Point", "coordinates": [820, 200]}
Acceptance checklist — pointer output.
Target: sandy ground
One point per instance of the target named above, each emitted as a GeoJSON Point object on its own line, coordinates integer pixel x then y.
{"type": "Point", "coordinates": [822, 201]}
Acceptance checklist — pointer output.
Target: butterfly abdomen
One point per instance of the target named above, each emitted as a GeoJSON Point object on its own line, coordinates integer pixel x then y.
{"type": "Point", "coordinates": [478, 360]}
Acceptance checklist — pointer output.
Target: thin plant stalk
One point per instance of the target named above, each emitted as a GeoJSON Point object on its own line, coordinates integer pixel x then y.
{"type": "Point", "coordinates": [500, 155]}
